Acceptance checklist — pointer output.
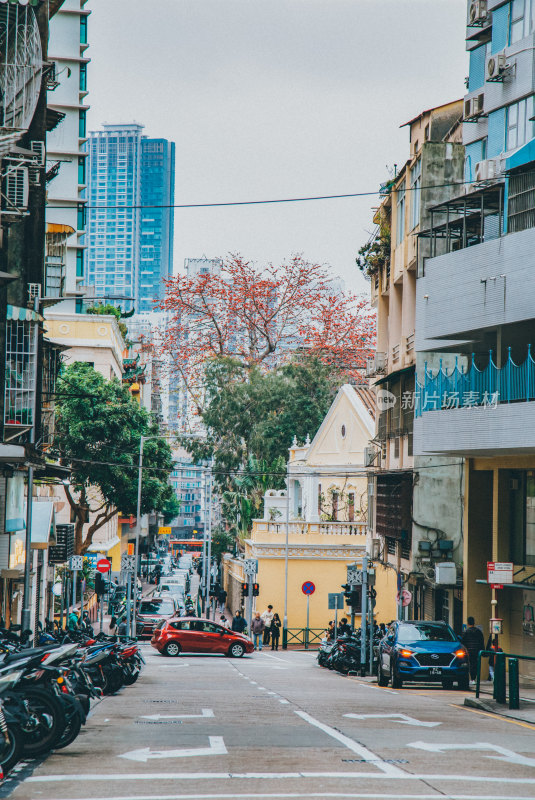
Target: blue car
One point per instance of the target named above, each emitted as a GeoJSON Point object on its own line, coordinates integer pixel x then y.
{"type": "Point", "coordinates": [422, 651]}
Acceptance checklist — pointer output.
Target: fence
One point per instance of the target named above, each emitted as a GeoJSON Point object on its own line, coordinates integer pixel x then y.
{"type": "Point", "coordinates": [302, 637]}
{"type": "Point", "coordinates": [462, 388]}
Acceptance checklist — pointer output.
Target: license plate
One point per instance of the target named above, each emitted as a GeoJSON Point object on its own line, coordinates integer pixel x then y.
{"type": "Point", "coordinates": [435, 671]}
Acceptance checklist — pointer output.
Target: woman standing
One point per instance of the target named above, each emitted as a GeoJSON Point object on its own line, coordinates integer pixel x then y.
{"type": "Point", "coordinates": [275, 629]}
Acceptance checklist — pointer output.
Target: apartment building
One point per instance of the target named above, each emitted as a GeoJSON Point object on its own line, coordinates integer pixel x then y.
{"type": "Point", "coordinates": [415, 522]}
{"type": "Point", "coordinates": [476, 296]}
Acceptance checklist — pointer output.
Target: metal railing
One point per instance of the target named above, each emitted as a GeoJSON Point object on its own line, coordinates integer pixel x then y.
{"type": "Point", "coordinates": [472, 387]}
{"type": "Point", "coordinates": [302, 637]}
{"type": "Point", "coordinates": [501, 669]}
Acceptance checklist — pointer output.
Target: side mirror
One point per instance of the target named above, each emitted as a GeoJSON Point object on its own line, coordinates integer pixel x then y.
{"type": "Point", "coordinates": [15, 628]}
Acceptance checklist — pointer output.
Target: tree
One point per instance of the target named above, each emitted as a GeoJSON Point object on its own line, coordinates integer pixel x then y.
{"type": "Point", "coordinates": [170, 509]}
{"type": "Point", "coordinates": [260, 316]}
{"type": "Point", "coordinates": [98, 430]}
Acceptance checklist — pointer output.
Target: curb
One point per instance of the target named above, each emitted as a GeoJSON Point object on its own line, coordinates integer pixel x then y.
{"type": "Point", "coordinates": [490, 707]}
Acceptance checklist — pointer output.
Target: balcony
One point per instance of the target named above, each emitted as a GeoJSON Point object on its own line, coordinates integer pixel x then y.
{"type": "Point", "coordinates": [376, 364]}
{"type": "Point", "coordinates": [477, 412]}
{"type": "Point", "coordinates": [20, 371]}
{"type": "Point", "coordinates": [475, 289]}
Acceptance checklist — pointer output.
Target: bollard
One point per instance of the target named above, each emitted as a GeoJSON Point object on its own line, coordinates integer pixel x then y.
{"type": "Point", "coordinates": [514, 690]}
{"type": "Point", "coordinates": [499, 678]}
{"type": "Point", "coordinates": [285, 638]}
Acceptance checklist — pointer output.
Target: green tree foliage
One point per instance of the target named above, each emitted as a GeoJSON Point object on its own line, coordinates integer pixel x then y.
{"type": "Point", "coordinates": [170, 509]}
{"type": "Point", "coordinates": [98, 430]}
{"type": "Point", "coordinates": [251, 419]}
{"type": "Point", "coordinates": [222, 542]}
{"type": "Point", "coordinates": [112, 311]}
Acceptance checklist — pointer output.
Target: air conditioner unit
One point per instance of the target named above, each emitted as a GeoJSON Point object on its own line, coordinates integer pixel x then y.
{"type": "Point", "coordinates": [473, 106]}
{"type": "Point", "coordinates": [369, 456]}
{"type": "Point", "coordinates": [496, 65]}
{"type": "Point", "coordinates": [446, 573]}
{"type": "Point", "coordinates": [16, 189]}
{"type": "Point", "coordinates": [477, 12]}
{"type": "Point", "coordinates": [486, 170]}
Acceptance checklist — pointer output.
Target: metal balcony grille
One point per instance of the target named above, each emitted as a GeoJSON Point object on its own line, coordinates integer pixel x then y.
{"type": "Point", "coordinates": [21, 355]}
{"type": "Point", "coordinates": [521, 201]}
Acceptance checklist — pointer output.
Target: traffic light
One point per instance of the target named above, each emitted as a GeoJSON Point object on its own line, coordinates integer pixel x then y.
{"type": "Point", "coordinates": [245, 590]}
{"type": "Point", "coordinates": [100, 584]}
{"type": "Point", "coordinates": [256, 589]}
{"type": "Point", "coordinates": [347, 592]}
{"type": "Point", "coordinates": [356, 597]}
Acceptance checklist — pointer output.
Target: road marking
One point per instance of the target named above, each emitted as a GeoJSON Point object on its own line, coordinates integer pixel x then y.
{"type": "Point", "coordinates": [204, 776]}
{"type": "Point", "coordinates": [216, 748]}
{"type": "Point", "coordinates": [355, 747]}
{"type": "Point", "coordinates": [267, 655]}
{"type": "Point", "coordinates": [173, 666]}
{"type": "Point", "coordinates": [206, 712]}
{"type": "Point", "coordinates": [495, 716]}
{"type": "Point", "coordinates": [284, 702]}
{"type": "Point", "coordinates": [290, 795]}
{"type": "Point", "coordinates": [403, 719]}
{"type": "Point", "coordinates": [509, 756]}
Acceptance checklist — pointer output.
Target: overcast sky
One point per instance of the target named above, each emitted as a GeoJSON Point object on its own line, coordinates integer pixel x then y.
{"type": "Point", "coordinates": [276, 98]}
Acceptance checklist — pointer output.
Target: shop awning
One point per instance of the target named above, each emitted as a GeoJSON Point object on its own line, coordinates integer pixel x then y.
{"type": "Point", "coordinates": [104, 547]}
{"type": "Point", "coordinates": [43, 525]}
{"type": "Point", "coordinates": [18, 314]}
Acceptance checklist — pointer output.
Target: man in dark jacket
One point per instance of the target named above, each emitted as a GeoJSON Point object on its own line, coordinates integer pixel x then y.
{"type": "Point", "coordinates": [473, 640]}
{"type": "Point", "coordinates": [344, 628]}
{"type": "Point", "coordinates": [238, 623]}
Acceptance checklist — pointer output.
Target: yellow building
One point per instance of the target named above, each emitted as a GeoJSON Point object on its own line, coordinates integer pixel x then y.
{"type": "Point", "coordinates": [324, 517]}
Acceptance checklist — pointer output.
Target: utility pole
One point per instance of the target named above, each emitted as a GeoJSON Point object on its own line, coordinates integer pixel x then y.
{"type": "Point", "coordinates": [285, 618]}
{"type": "Point", "coordinates": [209, 533]}
{"type": "Point", "coordinates": [364, 614]}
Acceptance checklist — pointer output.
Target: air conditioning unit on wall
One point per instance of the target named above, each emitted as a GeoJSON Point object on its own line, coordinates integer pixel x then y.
{"type": "Point", "coordinates": [477, 12]}
{"type": "Point", "coordinates": [446, 573]}
{"type": "Point", "coordinates": [496, 66]}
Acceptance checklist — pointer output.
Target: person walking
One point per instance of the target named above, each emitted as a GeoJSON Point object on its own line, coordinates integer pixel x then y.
{"type": "Point", "coordinates": [275, 631]}
{"type": "Point", "coordinates": [473, 640]}
{"type": "Point", "coordinates": [72, 622]}
{"type": "Point", "coordinates": [267, 616]}
{"type": "Point", "coordinates": [238, 623]}
{"type": "Point", "coordinates": [257, 629]}
{"type": "Point", "coordinates": [222, 599]}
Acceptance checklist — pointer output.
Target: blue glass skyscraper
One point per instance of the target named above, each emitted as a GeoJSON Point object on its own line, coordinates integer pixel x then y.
{"type": "Point", "coordinates": [130, 247]}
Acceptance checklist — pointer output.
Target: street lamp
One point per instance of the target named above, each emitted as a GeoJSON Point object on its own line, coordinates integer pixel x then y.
{"type": "Point", "coordinates": [285, 617]}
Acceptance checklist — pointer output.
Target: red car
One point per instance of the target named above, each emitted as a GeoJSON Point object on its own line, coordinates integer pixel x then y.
{"type": "Point", "coordinates": [193, 635]}
{"type": "Point", "coordinates": [151, 612]}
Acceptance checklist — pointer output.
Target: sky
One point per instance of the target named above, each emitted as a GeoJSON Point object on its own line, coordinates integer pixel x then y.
{"type": "Point", "coordinates": [271, 99]}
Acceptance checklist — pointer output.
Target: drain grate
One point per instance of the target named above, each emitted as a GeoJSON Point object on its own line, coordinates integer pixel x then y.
{"type": "Point", "coordinates": [375, 761]}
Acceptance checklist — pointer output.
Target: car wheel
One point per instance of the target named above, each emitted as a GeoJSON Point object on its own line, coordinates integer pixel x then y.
{"type": "Point", "coordinates": [447, 685]}
{"type": "Point", "coordinates": [381, 679]}
{"type": "Point", "coordinates": [464, 683]}
{"type": "Point", "coordinates": [236, 650]}
{"type": "Point", "coordinates": [397, 682]}
{"type": "Point", "coordinates": [171, 649]}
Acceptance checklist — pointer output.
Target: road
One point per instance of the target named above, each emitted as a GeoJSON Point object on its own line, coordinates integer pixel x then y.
{"type": "Point", "coordinates": [275, 725]}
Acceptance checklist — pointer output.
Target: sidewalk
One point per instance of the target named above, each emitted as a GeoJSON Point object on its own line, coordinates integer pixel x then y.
{"type": "Point", "coordinates": [485, 702]}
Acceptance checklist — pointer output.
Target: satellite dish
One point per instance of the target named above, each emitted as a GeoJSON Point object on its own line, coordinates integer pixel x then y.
{"type": "Point", "coordinates": [21, 65]}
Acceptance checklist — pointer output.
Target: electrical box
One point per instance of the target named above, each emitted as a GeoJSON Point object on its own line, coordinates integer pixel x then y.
{"type": "Point", "coordinates": [446, 574]}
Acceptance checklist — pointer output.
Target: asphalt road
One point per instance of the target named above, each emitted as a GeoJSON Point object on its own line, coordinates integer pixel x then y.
{"type": "Point", "coordinates": [275, 725]}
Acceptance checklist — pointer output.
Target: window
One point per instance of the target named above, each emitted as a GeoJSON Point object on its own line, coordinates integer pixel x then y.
{"type": "Point", "coordinates": [351, 506]}
{"type": "Point", "coordinates": [81, 170]}
{"type": "Point", "coordinates": [83, 30]}
{"type": "Point", "coordinates": [519, 128]}
{"type": "Point", "coordinates": [83, 77]}
{"type": "Point", "coordinates": [79, 263]}
{"type": "Point", "coordinates": [530, 519]}
{"type": "Point", "coordinates": [400, 215]}
{"type": "Point", "coordinates": [416, 182]}
{"type": "Point", "coordinates": [522, 19]}
{"type": "Point", "coordinates": [82, 125]}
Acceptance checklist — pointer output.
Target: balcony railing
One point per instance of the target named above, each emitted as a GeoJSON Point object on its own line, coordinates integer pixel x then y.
{"type": "Point", "coordinates": [490, 386]}
{"type": "Point", "coordinates": [304, 528]}
{"type": "Point", "coordinates": [395, 354]}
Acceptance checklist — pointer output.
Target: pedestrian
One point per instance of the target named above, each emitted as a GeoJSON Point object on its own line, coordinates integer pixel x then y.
{"type": "Point", "coordinates": [223, 620]}
{"type": "Point", "coordinates": [222, 598]}
{"type": "Point", "coordinates": [72, 622]}
{"type": "Point", "coordinates": [330, 632]}
{"type": "Point", "coordinates": [492, 644]}
{"type": "Point", "coordinates": [473, 640]}
{"type": "Point", "coordinates": [257, 629]}
{"type": "Point", "coordinates": [344, 629]}
{"type": "Point", "coordinates": [267, 616]}
{"type": "Point", "coordinates": [238, 623]}
{"type": "Point", "coordinates": [275, 631]}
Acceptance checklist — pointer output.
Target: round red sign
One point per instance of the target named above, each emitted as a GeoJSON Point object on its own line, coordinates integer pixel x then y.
{"type": "Point", "coordinates": [308, 587]}
{"type": "Point", "coordinates": [103, 565]}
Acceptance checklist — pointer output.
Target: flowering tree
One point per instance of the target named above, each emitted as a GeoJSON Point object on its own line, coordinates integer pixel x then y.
{"type": "Point", "coordinates": [261, 316]}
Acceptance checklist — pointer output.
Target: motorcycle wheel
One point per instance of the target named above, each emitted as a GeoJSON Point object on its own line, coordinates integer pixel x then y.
{"type": "Point", "coordinates": [11, 749]}
{"type": "Point", "coordinates": [72, 729]}
{"type": "Point", "coordinates": [51, 722]}
{"type": "Point", "coordinates": [131, 678]}
{"type": "Point", "coordinates": [84, 701]}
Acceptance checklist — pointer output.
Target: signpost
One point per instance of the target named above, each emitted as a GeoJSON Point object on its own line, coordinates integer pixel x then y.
{"type": "Point", "coordinates": [164, 531]}
{"type": "Point", "coordinates": [499, 573]}
{"type": "Point", "coordinates": [250, 569]}
{"type": "Point", "coordinates": [76, 563]}
{"type": "Point", "coordinates": [103, 565]}
{"type": "Point", "coordinates": [336, 601]}
{"type": "Point", "coordinates": [308, 588]}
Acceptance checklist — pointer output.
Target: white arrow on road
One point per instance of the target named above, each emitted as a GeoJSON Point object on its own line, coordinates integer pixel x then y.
{"type": "Point", "coordinates": [509, 756]}
{"type": "Point", "coordinates": [403, 719]}
{"type": "Point", "coordinates": [206, 712]}
{"type": "Point", "coordinates": [216, 748]}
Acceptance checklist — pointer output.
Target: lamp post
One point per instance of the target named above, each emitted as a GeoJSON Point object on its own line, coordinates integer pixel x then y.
{"type": "Point", "coordinates": [285, 617]}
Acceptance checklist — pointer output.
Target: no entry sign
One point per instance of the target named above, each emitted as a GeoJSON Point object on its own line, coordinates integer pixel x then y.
{"type": "Point", "coordinates": [308, 587]}
{"type": "Point", "coordinates": [103, 565]}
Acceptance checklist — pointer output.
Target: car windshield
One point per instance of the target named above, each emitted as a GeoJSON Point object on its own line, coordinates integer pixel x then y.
{"type": "Point", "coordinates": [426, 632]}
{"type": "Point", "coordinates": [155, 607]}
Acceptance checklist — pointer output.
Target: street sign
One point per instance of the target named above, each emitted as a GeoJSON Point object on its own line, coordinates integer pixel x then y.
{"type": "Point", "coordinates": [92, 559]}
{"type": "Point", "coordinates": [336, 600]}
{"type": "Point", "coordinates": [499, 572]}
{"type": "Point", "coordinates": [165, 531]}
{"type": "Point", "coordinates": [250, 566]}
{"type": "Point", "coordinates": [57, 589]}
{"type": "Point", "coordinates": [128, 563]}
{"type": "Point", "coordinates": [308, 588]}
{"type": "Point", "coordinates": [76, 563]}
{"type": "Point", "coordinates": [406, 597]}
{"type": "Point", "coordinates": [354, 575]}
{"type": "Point", "coordinates": [103, 565]}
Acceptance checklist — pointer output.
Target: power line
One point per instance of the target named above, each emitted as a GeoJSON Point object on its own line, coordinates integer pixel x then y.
{"type": "Point", "coordinates": [306, 199]}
